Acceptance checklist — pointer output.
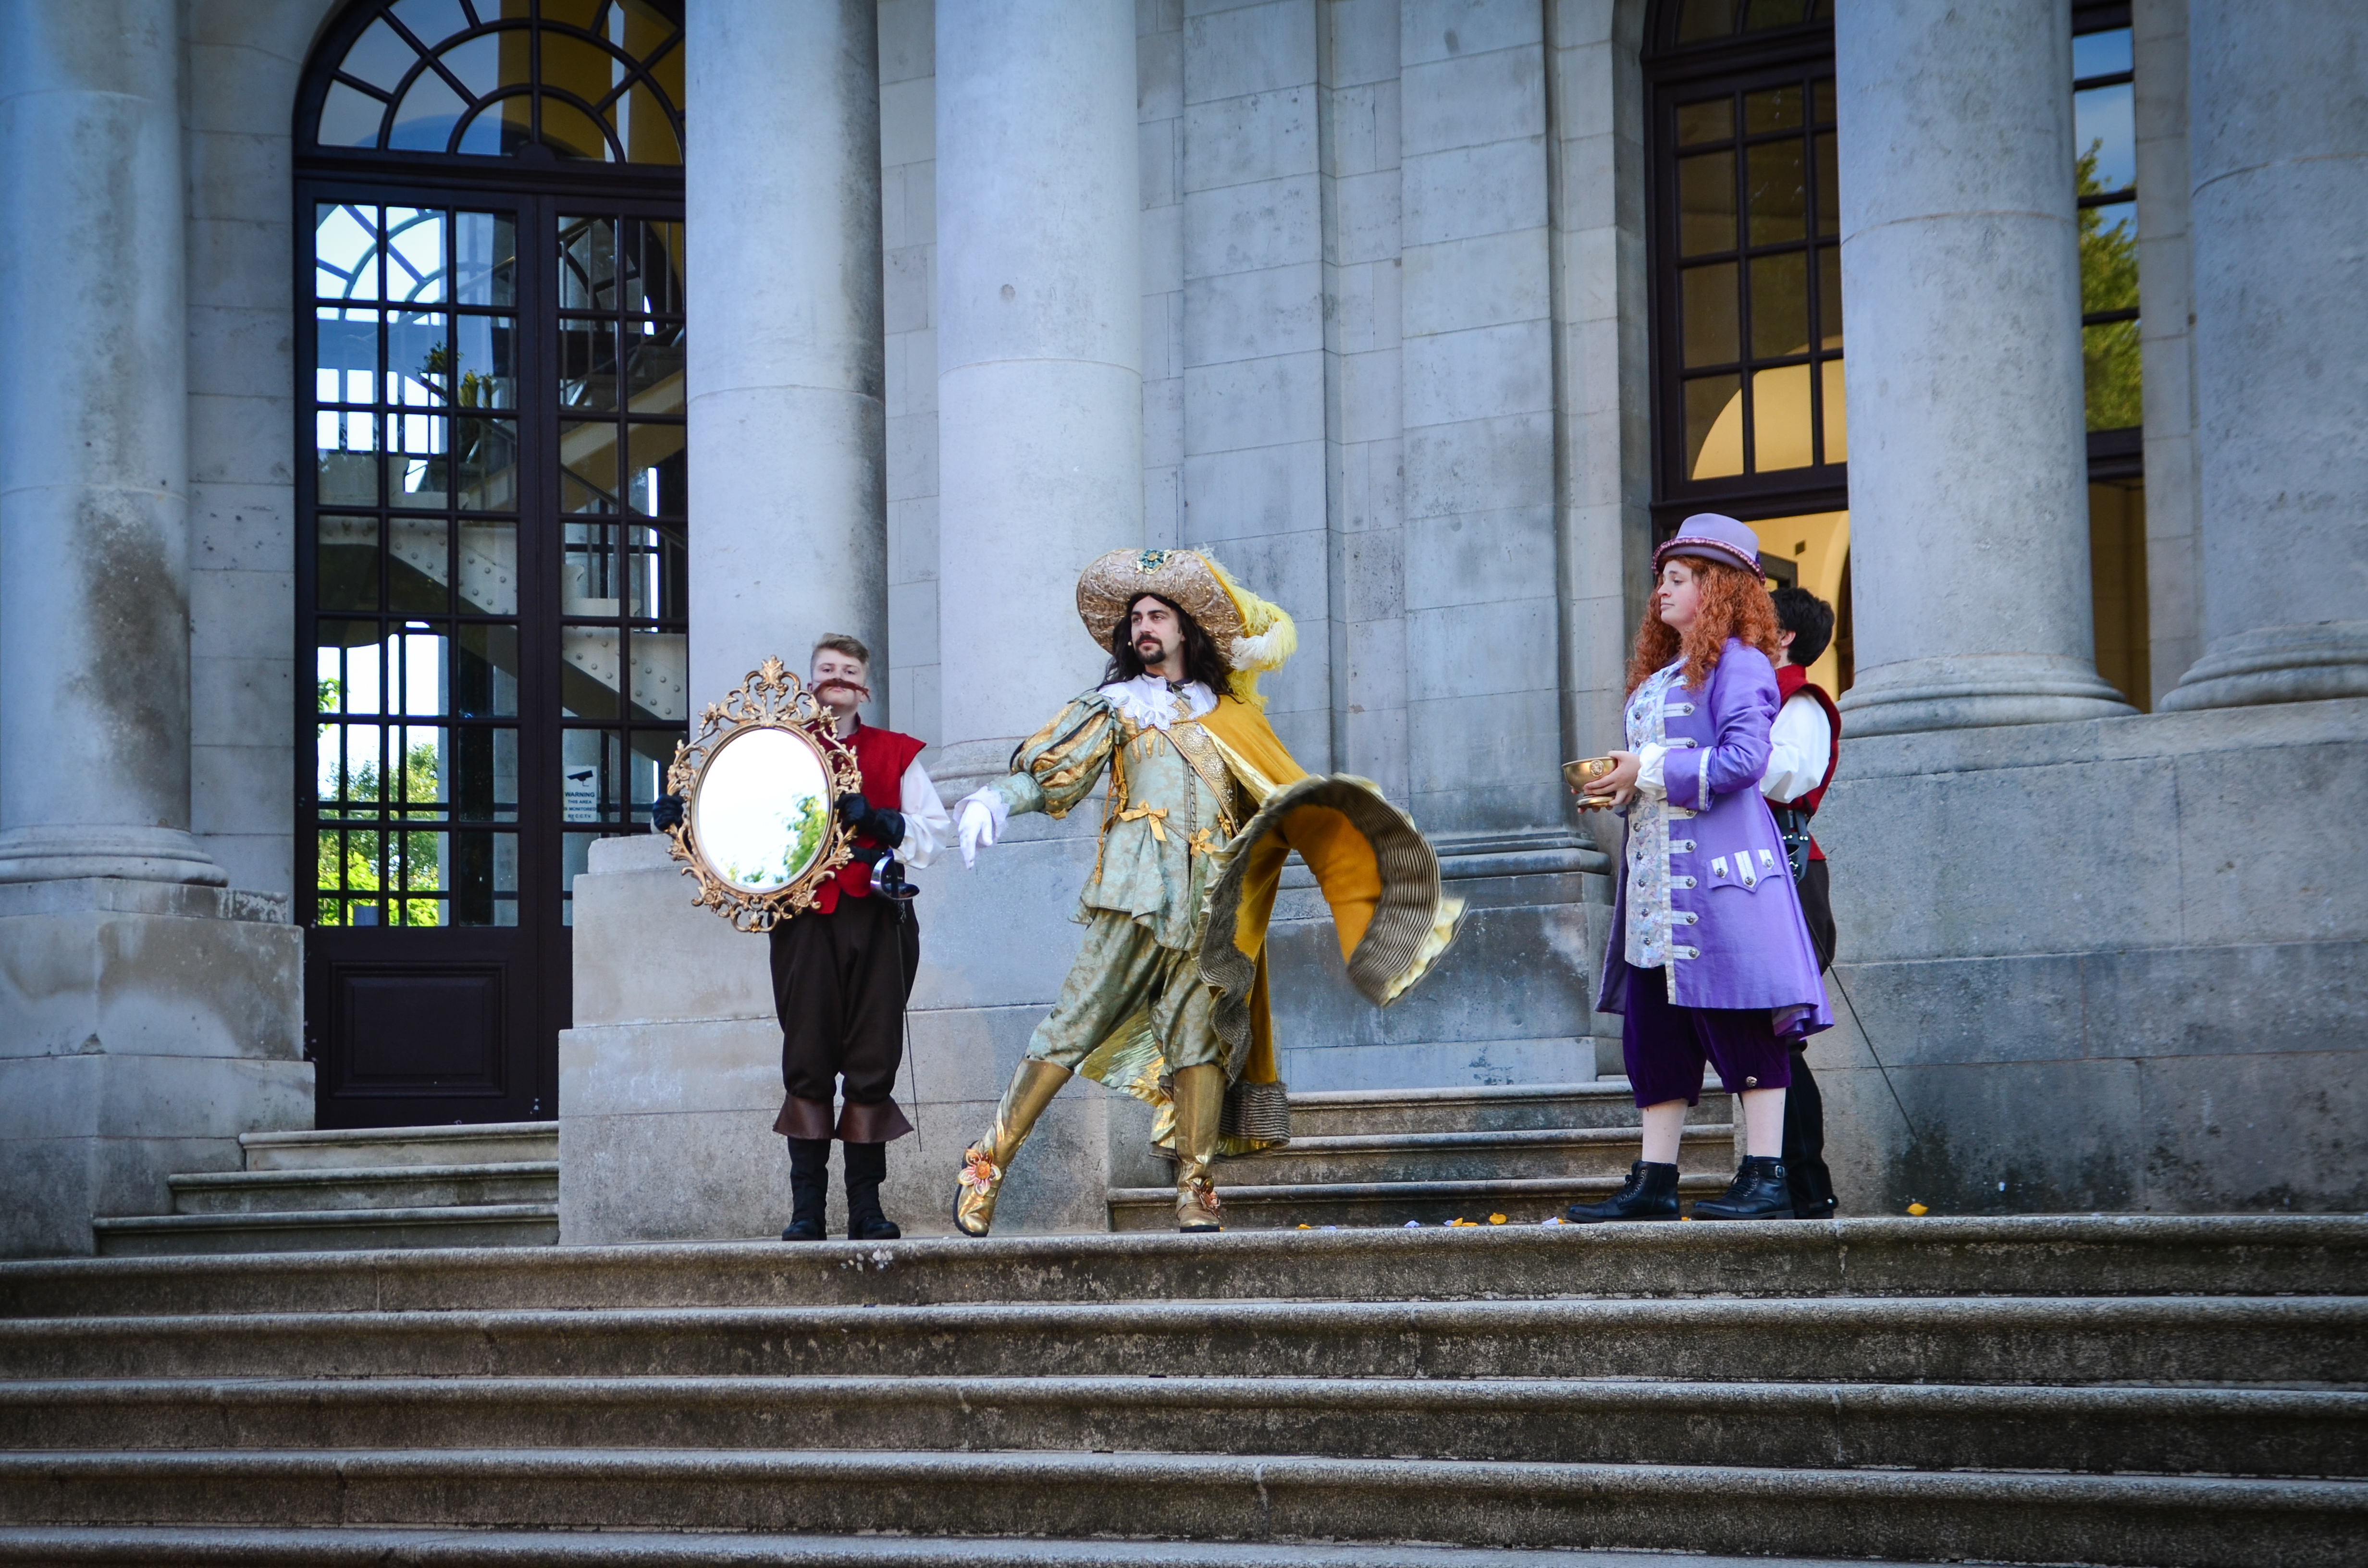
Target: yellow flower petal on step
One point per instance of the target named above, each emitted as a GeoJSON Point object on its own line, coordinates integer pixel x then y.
{"type": "Point", "coordinates": [1496, 1219]}
{"type": "Point", "coordinates": [1918, 1209]}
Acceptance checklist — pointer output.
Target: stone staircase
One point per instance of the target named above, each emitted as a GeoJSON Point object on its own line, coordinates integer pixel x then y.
{"type": "Point", "coordinates": [1387, 1157]}
{"type": "Point", "coordinates": [2176, 1392]}
{"type": "Point", "coordinates": [491, 1185]}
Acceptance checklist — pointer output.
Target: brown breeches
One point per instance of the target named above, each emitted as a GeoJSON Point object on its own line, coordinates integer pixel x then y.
{"type": "Point", "coordinates": [839, 984]}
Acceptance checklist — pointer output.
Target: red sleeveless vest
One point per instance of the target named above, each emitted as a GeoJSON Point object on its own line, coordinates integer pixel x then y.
{"type": "Point", "coordinates": [880, 757]}
{"type": "Point", "coordinates": [1791, 679]}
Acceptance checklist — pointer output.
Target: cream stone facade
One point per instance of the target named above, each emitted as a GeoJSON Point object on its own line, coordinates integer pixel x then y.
{"type": "Point", "coordinates": [1365, 296]}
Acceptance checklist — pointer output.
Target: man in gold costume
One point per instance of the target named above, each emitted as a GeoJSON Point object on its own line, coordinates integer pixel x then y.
{"type": "Point", "coordinates": [1167, 998]}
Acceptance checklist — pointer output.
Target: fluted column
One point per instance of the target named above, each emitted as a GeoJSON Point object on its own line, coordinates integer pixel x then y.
{"type": "Point", "coordinates": [2278, 138]}
{"type": "Point", "coordinates": [1040, 345]}
{"type": "Point", "coordinates": [94, 450]}
{"type": "Point", "coordinates": [789, 533]}
{"type": "Point", "coordinates": [1961, 287]}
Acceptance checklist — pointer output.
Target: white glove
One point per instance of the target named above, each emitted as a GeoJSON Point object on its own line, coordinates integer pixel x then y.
{"type": "Point", "coordinates": [976, 822]}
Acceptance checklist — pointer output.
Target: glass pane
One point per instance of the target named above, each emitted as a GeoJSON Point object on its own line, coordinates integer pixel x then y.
{"type": "Point", "coordinates": [591, 774]}
{"type": "Point", "coordinates": [590, 574]}
{"type": "Point", "coordinates": [415, 671]}
{"type": "Point", "coordinates": [346, 657]}
{"type": "Point", "coordinates": [1710, 121]}
{"type": "Point", "coordinates": [481, 773]}
{"type": "Point", "coordinates": [379, 57]}
{"type": "Point", "coordinates": [485, 247]}
{"type": "Point", "coordinates": [1837, 416]}
{"type": "Point", "coordinates": [652, 754]}
{"type": "Point", "coordinates": [588, 465]}
{"type": "Point", "coordinates": [346, 764]}
{"type": "Point", "coordinates": [415, 255]}
{"type": "Point", "coordinates": [346, 564]}
{"type": "Point", "coordinates": [2105, 136]}
{"type": "Point", "coordinates": [344, 251]}
{"type": "Point", "coordinates": [430, 21]}
{"type": "Point", "coordinates": [1780, 305]}
{"type": "Point", "coordinates": [416, 566]}
{"type": "Point", "coordinates": [1776, 108]}
{"type": "Point", "coordinates": [587, 264]}
{"type": "Point", "coordinates": [486, 461]}
{"type": "Point", "coordinates": [1822, 101]}
{"type": "Point", "coordinates": [587, 363]}
{"type": "Point", "coordinates": [485, 672]}
{"type": "Point", "coordinates": [1700, 19]}
{"type": "Point", "coordinates": [350, 119]}
{"type": "Point", "coordinates": [1780, 419]}
{"type": "Point", "coordinates": [570, 132]}
{"type": "Point", "coordinates": [344, 355]}
{"type": "Point", "coordinates": [1829, 296]}
{"type": "Point", "coordinates": [1829, 187]}
{"type": "Point", "coordinates": [486, 364]}
{"type": "Point", "coordinates": [577, 67]}
{"type": "Point", "coordinates": [653, 574]}
{"type": "Point", "coordinates": [589, 676]}
{"type": "Point", "coordinates": [1777, 182]}
{"type": "Point", "coordinates": [1708, 329]}
{"type": "Point", "coordinates": [417, 471]}
{"type": "Point", "coordinates": [656, 470]}
{"type": "Point", "coordinates": [2102, 54]}
{"type": "Point", "coordinates": [653, 367]}
{"type": "Point", "coordinates": [2110, 355]}
{"type": "Point", "coordinates": [661, 677]}
{"type": "Point", "coordinates": [1714, 426]}
{"type": "Point", "coordinates": [418, 359]}
{"type": "Point", "coordinates": [653, 263]}
{"type": "Point", "coordinates": [483, 879]}
{"type": "Point", "coordinates": [642, 128]}
{"type": "Point", "coordinates": [667, 71]}
{"type": "Point", "coordinates": [500, 128]}
{"type": "Point", "coordinates": [2108, 257]}
{"type": "Point", "coordinates": [346, 445]}
{"type": "Point", "coordinates": [429, 113]}
{"type": "Point", "coordinates": [488, 568]}
{"type": "Point", "coordinates": [1774, 14]}
{"type": "Point", "coordinates": [486, 65]}
{"type": "Point", "coordinates": [1706, 203]}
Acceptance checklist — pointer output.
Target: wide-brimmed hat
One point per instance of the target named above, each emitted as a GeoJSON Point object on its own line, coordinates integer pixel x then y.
{"type": "Point", "coordinates": [1256, 635]}
{"type": "Point", "coordinates": [1709, 535]}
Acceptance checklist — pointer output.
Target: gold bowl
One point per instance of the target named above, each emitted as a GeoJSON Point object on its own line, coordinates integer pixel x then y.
{"type": "Point", "coordinates": [1586, 770]}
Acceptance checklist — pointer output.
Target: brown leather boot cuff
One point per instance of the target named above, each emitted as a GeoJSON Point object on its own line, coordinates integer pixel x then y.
{"type": "Point", "coordinates": [802, 1118]}
{"type": "Point", "coordinates": [881, 1123]}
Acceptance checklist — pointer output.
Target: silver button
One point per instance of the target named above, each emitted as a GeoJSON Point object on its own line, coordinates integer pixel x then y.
{"type": "Point", "coordinates": [1752, 1083]}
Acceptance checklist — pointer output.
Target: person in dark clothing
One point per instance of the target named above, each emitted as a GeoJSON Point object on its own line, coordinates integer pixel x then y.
{"type": "Point", "coordinates": [1804, 745]}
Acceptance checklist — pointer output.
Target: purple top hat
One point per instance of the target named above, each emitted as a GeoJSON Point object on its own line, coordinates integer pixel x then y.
{"type": "Point", "coordinates": [1712, 537]}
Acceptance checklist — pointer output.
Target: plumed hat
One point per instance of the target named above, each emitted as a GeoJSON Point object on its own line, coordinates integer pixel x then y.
{"type": "Point", "coordinates": [1255, 634]}
{"type": "Point", "coordinates": [1712, 537]}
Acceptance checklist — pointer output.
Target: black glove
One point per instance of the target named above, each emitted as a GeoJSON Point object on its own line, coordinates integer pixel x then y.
{"type": "Point", "coordinates": [665, 811]}
{"type": "Point", "coordinates": [873, 822]}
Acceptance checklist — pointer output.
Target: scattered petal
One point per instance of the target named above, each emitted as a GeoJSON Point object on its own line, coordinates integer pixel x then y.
{"type": "Point", "coordinates": [1306, 1227]}
{"type": "Point", "coordinates": [1496, 1219]}
{"type": "Point", "coordinates": [1412, 1225]}
{"type": "Point", "coordinates": [1918, 1209]}
{"type": "Point", "coordinates": [1553, 1219]}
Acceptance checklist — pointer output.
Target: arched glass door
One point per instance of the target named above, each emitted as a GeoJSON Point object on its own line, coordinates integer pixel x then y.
{"type": "Point", "coordinates": [490, 586]}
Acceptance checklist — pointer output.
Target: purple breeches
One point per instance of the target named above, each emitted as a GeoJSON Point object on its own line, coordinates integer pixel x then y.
{"type": "Point", "coordinates": [1666, 1045]}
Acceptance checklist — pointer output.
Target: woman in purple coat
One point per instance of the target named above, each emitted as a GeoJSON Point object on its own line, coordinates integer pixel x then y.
{"type": "Point", "coordinates": [1710, 959]}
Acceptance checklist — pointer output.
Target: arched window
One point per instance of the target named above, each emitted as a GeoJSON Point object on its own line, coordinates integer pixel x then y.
{"type": "Point", "coordinates": [490, 586]}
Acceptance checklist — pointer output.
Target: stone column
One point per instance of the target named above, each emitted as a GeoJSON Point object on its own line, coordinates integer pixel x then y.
{"type": "Point", "coordinates": [2279, 132]}
{"type": "Point", "coordinates": [787, 427]}
{"type": "Point", "coordinates": [94, 451]}
{"type": "Point", "coordinates": [1040, 348]}
{"type": "Point", "coordinates": [1961, 289]}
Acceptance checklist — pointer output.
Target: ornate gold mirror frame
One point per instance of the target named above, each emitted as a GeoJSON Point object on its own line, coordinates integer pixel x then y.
{"type": "Point", "coordinates": [768, 699]}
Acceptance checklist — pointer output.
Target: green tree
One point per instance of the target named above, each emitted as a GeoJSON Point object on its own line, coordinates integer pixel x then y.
{"type": "Point", "coordinates": [347, 860]}
{"type": "Point", "coordinates": [2109, 282]}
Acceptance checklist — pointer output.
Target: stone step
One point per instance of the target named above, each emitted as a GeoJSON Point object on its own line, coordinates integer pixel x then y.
{"type": "Point", "coordinates": [2077, 1341]}
{"type": "Point", "coordinates": [332, 1189]}
{"type": "Point", "coordinates": [330, 1230]}
{"type": "Point", "coordinates": [1497, 1157]}
{"type": "Point", "coordinates": [1600, 1102]}
{"type": "Point", "coordinates": [2201, 1431]}
{"type": "Point", "coordinates": [2204, 1522]}
{"type": "Point", "coordinates": [2038, 1255]}
{"type": "Point", "coordinates": [1288, 1206]}
{"type": "Point", "coordinates": [492, 1143]}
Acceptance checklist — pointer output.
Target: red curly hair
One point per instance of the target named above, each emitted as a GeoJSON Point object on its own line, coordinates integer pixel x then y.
{"type": "Point", "coordinates": [1734, 603]}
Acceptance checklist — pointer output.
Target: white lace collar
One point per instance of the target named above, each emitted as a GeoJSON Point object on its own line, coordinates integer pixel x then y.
{"type": "Point", "coordinates": [1147, 700]}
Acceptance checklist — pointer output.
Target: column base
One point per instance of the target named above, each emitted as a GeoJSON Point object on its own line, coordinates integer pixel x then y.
{"type": "Point", "coordinates": [1978, 692]}
{"type": "Point", "coordinates": [2277, 663]}
{"type": "Point", "coordinates": [132, 854]}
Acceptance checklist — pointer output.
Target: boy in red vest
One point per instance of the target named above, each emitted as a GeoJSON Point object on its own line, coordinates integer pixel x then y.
{"type": "Point", "coordinates": [842, 969]}
{"type": "Point", "coordinates": [1803, 746]}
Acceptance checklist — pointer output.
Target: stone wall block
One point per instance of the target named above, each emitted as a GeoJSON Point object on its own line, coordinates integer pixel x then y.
{"type": "Point", "coordinates": [1242, 315]}
{"type": "Point", "coordinates": [1484, 373]}
{"type": "Point", "coordinates": [1486, 280]}
{"type": "Point", "coordinates": [1468, 191]}
{"type": "Point", "coordinates": [1487, 562]}
{"type": "Point", "coordinates": [1245, 496]}
{"type": "Point", "coordinates": [1242, 404]}
{"type": "Point", "coordinates": [1251, 49]}
{"type": "Point", "coordinates": [1261, 136]}
{"type": "Point", "coordinates": [1486, 465]}
{"type": "Point", "coordinates": [1247, 228]}
{"type": "Point", "coordinates": [1442, 29]}
{"type": "Point", "coordinates": [1469, 100]}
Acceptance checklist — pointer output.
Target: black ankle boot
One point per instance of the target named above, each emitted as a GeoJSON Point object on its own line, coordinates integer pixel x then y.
{"type": "Point", "coordinates": [867, 1167]}
{"type": "Point", "coordinates": [1758, 1192]}
{"type": "Point", "coordinates": [1651, 1194]}
{"type": "Point", "coordinates": [809, 1186]}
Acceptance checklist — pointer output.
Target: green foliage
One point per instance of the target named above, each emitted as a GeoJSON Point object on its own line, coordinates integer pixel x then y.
{"type": "Point", "coordinates": [2109, 282]}
{"type": "Point", "coordinates": [413, 859]}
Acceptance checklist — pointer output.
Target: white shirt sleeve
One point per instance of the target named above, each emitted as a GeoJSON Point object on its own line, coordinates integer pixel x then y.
{"type": "Point", "coordinates": [1798, 746]}
{"type": "Point", "coordinates": [1650, 781]}
{"type": "Point", "coordinates": [928, 829]}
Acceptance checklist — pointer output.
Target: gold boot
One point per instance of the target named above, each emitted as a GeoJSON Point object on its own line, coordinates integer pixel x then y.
{"type": "Point", "coordinates": [1199, 1103]}
{"type": "Point", "coordinates": [985, 1162]}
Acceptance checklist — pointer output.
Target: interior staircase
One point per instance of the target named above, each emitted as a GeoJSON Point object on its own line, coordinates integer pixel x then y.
{"type": "Point", "coordinates": [493, 1183]}
{"type": "Point", "coordinates": [2170, 1392]}
{"type": "Point", "coordinates": [1387, 1157]}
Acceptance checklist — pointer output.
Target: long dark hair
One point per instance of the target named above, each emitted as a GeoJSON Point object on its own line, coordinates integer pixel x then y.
{"type": "Point", "coordinates": [1203, 662]}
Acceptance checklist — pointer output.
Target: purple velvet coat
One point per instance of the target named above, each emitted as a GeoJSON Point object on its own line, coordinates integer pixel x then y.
{"type": "Point", "coordinates": [1751, 945]}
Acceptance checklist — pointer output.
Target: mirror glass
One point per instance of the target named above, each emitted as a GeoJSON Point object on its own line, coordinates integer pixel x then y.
{"type": "Point", "coordinates": [762, 810]}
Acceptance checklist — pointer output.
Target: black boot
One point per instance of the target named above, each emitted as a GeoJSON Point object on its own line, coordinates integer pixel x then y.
{"type": "Point", "coordinates": [1758, 1192]}
{"type": "Point", "coordinates": [809, 1186]}
{"type": "Point", "coordinates": [867, 1167]}
{"type": "Point", "coordinates": [1651, 1194]}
